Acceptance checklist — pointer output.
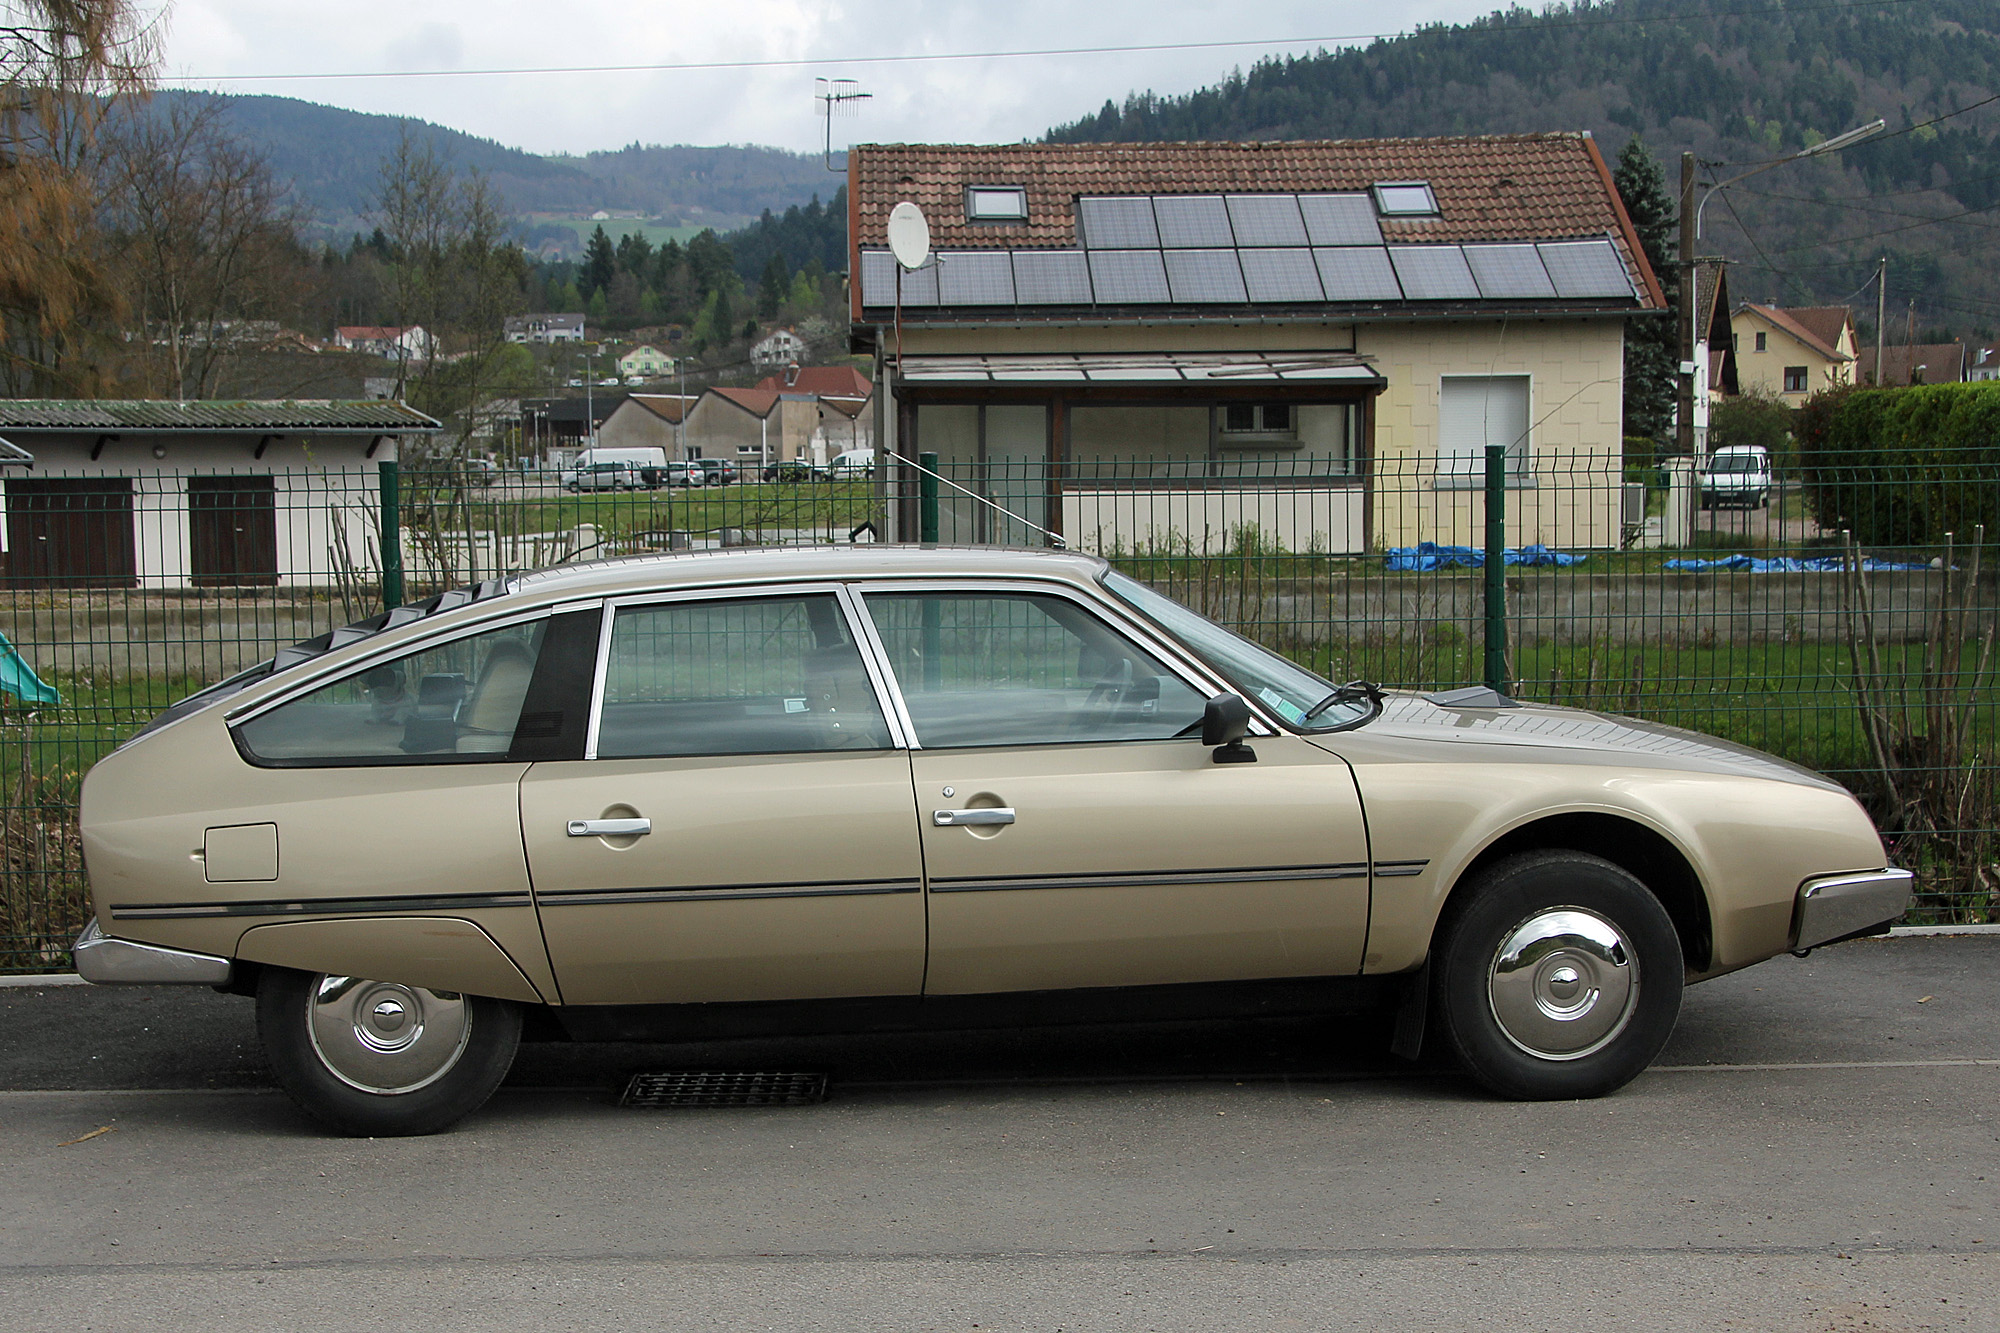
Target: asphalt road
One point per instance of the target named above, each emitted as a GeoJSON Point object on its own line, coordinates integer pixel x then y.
{"type": "Point", "coordinates": [1819, 1149]}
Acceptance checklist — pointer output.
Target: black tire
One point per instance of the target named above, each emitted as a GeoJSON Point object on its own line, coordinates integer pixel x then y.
{"type": "Point", "coordinates": [440, 1084]}
{"type": "Point", "coordinates": [1529, 992]}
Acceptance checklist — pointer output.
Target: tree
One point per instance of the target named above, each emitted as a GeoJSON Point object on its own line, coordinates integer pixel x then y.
{"type": "Point", "coordinates": [202, 241]}
{"type": "Point", "coordinates": [1652, 344]}
{"type": "Point", "coordinates": [60, 62]}
{"type": "Point", "coordinates": [600, 261]}
{"type": "Point", "coordinates": [772, 288]}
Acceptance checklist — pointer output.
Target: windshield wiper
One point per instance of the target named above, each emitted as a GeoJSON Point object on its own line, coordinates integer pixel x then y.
{"type": "Point", "coordinates": [1353, 692]}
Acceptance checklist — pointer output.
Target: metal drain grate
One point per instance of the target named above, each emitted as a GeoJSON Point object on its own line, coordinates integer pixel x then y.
{"type": "Point", "coordinates": [707, 1087]}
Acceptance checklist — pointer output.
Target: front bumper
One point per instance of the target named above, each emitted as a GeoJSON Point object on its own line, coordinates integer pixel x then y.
{"type": "Point", "coordinates": [1836, 906]}
{"type": "Point", "coordinates": [106, 961]}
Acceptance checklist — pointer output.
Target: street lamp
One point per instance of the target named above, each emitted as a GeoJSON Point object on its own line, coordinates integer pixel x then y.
{"type": "Point", "coordinates": [1691, 235]}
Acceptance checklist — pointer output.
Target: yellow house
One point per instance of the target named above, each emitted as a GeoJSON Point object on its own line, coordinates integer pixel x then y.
{"type": "Point", "coordinates": [1791, 353]}
{"type": "Point", "coordinates": [644, 363]}
{"type": "Point", "coordinates": [1308, 345]}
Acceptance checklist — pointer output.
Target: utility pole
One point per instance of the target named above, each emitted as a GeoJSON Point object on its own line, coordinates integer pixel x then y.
{"type": "Point", "coordinates": [1881, 314]}
{"type": "Point", "coordinates": [1684, 405]}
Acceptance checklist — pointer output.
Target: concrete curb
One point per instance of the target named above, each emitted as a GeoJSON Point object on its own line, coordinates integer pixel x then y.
{"type": "Point", "coordinates": [1895, 932]}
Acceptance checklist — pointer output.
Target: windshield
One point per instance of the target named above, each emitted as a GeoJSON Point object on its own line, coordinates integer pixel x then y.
{"type": "Point", "coordinates": [1287, 689]}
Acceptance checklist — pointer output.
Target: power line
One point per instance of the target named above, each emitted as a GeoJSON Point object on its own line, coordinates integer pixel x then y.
{"type": "Point", "coordinates": [799, 62]}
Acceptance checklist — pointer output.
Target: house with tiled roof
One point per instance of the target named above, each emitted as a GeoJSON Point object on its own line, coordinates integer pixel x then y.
{"type": "Point", "coordinates": [1913, 363]}
{"type": "Point", "coordinates": [1154, 345]}
{"type": "Point", "coordinates": [1792, 352]}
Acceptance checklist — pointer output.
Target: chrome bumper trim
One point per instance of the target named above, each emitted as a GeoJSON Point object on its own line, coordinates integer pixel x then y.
{"type": "Point", "coordinates": [1837, 906]}
{"type": "Point", "coordinates": [106, 961]}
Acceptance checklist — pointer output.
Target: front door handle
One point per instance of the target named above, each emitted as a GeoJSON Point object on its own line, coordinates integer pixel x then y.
{"type": "Point", "coordinates": [608, 828]}
{"type": "Point", "coordinates": [1003, 814]}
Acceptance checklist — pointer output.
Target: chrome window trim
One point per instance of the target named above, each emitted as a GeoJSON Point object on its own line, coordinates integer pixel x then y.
{"type": "Point", "coordinates": [898, 735]}
{"type": "Point", "coordinates": [387, 652]}
{"type": "Point", "coordinates": [1171, 655]}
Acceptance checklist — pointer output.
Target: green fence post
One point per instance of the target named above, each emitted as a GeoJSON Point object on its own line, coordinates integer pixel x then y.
{"type": "Point", "coordinates": [927, 497]}
{"type": "Point", "coordinates": [1496, 567]}
{"type": "Point", "coordinates": [392, 536]}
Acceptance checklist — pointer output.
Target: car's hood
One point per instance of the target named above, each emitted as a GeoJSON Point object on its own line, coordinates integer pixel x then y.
{"type": "Point", "coordinates": [1547, 727]}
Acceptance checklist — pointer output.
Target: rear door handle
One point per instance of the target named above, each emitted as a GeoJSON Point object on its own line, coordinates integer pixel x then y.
{"type": "Point", "coordinates": [608, 828]}
{"type": "Point", "coordinates": [971, 818]}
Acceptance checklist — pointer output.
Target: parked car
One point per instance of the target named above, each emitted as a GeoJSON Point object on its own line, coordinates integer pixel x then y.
{"type": "Point", "coordinates": [1737, 475]}
{"type": "Point", "coordinates": [673, 473]}
{"type": "Point", "coordinates": [720, 471]}
{"type": "Point", "coordinates": [796, 469]}
{"type": "Point", "coordinates": [603, 477]}
{"type": "Point", "coordinates": [852, 465]}
{"type": "Point", "coordinates": [789, 789]}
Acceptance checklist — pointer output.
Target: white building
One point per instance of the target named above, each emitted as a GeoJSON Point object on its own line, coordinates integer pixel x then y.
{"type": "Point", "coordinates": [172, 495]}
{"type": "Point", "coordinates": [783, 348]}
{"type": "Point", "coordinates": [544, 328]}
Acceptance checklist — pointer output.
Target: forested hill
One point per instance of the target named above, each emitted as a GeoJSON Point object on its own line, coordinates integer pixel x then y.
{"type": "Point", "coordinates": [332, 160]}
{"type": "Point", "coordinates": [1736, 81]}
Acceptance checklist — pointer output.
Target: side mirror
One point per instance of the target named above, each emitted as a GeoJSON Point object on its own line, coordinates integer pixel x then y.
{"type": "Point", "coordinates": [1225, 721]}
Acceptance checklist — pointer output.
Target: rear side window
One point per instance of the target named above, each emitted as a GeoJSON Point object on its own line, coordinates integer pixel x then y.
{"type": "Point", "coordinates": [448, 702]}
{"type": "Point", "coordinates": [768, 675]}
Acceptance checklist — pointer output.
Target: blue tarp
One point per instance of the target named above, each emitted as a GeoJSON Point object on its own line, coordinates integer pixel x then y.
{"type": "Point", "coordinates": [1429, 555]}
{"type": "Point", "coordinates": [19, 679]}
{"type": "Point", "coordinates": [1819, 564]}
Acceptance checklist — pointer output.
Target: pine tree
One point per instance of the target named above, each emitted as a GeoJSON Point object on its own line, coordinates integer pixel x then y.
{"type": "Point", "coordinates": [600, 261]}
{"type": "Point", "coordinates": [1652, 344]}
{"type": "Point", "coordinates": [773, 287]}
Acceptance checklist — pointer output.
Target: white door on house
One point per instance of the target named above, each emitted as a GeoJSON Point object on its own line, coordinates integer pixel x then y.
{"type": "Point", "coordinates": [1475, 411]}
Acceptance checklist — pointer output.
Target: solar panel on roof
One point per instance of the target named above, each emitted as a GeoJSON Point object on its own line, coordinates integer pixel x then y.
{"type": "Point", "coordinates": [920, 285]}
{"type": "Point", "coordinates": [1206, 276]}
{"type": "Point", "coordinates": [1267, 219]}
{"type": "Point", "coordinates": [1118, 223]}
{"type": "Point", "coordinates": [975, 277]}
{"type": "Point", "coordinates": [878, 277]}
{"type": "Point", "coordinates": [1192, 221]}
{"type": "Point", "coordinates": [1340, 219]}
{"type": "Point", "coordinates": [1280, 275]}
{"type": "Point", "coordinates": [1126, 277]}
{"type": "Point", "coordinates": [1051, 277]}
{"type": "Point", "coordinates": [1586, 268]}
{"type": "Point", "coordinates": [1508, 271]}
{"type": "Point", "coordinates": [1433, 273]}
{"type": "Point", "coordinates": [1357, 273]}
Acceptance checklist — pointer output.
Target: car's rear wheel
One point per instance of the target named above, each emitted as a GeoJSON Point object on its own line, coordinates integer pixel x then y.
{"type": "Point", "coordinates": [382, 1058]}
{"type": "Point", "coordinates": [1557, 975]}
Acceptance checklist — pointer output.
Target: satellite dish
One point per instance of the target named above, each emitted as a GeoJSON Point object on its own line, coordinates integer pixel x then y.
{"type": "Point", "coordinates": [909, 235]}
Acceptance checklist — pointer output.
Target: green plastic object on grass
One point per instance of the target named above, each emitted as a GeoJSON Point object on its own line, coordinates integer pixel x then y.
{"type": "Point", "coordinates": [19, 679]}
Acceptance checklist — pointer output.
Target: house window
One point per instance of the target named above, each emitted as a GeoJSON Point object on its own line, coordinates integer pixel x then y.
{"type": "Point", "coordinates": [1762, 342]}
{"type": "Point", "coordinates": [1795, 379]}
{"type": "Point", "coordinates": [1405, 199]}
{"type": "Point", "coordinates": [1475, 411]}
{"type": "Point", "coordinates": [1268, 421]}
{"type": "Point", "coordinates": [996, 203]}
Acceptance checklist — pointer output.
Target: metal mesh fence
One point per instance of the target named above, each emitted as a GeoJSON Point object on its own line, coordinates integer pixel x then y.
{"type": "Point", "coordinates": [1726, 604]}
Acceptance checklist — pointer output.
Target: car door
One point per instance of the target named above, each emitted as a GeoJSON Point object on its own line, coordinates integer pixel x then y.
{"type": "Point", "coordinates": [741, 825]}
{"type": "Point", "coordinates": [1076, 833]}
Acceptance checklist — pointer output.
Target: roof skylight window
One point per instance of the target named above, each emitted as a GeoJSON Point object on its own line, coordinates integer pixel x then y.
{"type": "Point", "coordinates": [996, 203]}
{"type": "Point", "coordinates": [1405, 199]}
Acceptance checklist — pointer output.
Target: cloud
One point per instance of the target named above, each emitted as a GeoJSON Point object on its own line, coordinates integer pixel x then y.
{"type": "Point", "coordinates": [982, 100]}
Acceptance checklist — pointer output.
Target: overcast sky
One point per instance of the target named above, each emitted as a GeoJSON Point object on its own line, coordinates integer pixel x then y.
{"type": "Point", "coordinates": [984, 100]}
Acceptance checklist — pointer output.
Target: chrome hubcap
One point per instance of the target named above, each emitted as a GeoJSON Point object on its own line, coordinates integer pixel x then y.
{"type": "Point", "coordinates": [384, 1037]}
{"type": "Point", "coordinates": [1563, 984]}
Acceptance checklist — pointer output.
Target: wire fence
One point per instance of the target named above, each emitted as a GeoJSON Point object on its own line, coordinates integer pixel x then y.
{"type": "Point", "coordinates": [1741, 605]}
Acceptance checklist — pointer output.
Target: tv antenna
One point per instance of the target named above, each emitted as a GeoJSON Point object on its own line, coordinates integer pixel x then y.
{"type": "Point", "coordinates": [837, 97]}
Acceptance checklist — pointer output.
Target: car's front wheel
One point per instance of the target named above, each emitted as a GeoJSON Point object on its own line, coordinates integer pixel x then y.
{"type": "Point", "coordinates": [382, 1058]}
{"type": "Point", "coordinates": [1557, 974]}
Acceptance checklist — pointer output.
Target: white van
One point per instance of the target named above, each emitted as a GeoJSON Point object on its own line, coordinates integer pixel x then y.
{"type": "Point", "coordinates": [853, 465]}
{"type": "Point", "coordinates": [1737, 475]}
{"type": "Point", "coordinates": [633, 461]}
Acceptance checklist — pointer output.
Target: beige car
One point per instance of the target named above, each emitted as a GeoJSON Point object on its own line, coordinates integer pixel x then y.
{"type": "Point", "coordinates": [760, 789]}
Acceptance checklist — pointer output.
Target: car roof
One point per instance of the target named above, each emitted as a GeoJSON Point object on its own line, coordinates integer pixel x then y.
{"type": "Point", "coordinates": [637, 573]}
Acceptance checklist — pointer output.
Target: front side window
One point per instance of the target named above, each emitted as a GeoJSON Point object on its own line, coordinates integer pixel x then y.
{"type": "Point", "coordinates": [776, 675]}
{"type": "Point", "coordinates": [1020, 669]}
{"type": "Point", "coordinates": [447, 702]}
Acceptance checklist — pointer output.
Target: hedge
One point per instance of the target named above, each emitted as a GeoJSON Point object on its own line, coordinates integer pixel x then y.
{"type": "Point", "coordinates": [1903, 467]}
